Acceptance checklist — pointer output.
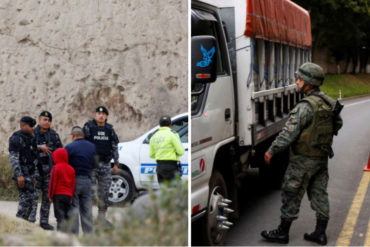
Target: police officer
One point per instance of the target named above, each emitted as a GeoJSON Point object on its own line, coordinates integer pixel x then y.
{"type": "Point", "coordinates": [47, 141]}
{"type": "Point", "coordinates": [23, 158]}
{"type": "Point", "coordinates": [102, 134]}
{"type": "Point", "coordinates": [309, 134]}
{"type": "Point", "coordinates": [166, 148]}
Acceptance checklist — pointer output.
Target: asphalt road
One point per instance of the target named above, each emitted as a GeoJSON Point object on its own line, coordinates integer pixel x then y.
{"type": "Point", "coordinates": [349, 199]}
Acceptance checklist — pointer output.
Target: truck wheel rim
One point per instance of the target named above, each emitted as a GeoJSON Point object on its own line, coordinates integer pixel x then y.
{"type": "Point", "coordinates": [215, 210]}
{"type": "Point", "coordinates": [119, 189]}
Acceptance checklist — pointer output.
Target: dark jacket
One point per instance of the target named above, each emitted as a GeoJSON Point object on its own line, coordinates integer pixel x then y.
{"type": "Point", "coordinates": [52, 140]}
{"type": "Point", "coordinates": [104, 138]}
{"type": "Point", "coordinates": [23, 154]}
{"type": "Point", "coordinates": [81, 155]}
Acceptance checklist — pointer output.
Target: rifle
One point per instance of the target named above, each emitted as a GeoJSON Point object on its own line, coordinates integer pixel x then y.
{"type": "Point", "coordinates": [336, 111]}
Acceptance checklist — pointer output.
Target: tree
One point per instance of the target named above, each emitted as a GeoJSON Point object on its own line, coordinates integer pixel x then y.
{"type": "Point", "coordinates": [343, 26]}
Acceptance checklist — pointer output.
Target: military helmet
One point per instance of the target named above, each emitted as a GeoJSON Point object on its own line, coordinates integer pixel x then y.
{"type": "Point", "coordinates": [311, 73]}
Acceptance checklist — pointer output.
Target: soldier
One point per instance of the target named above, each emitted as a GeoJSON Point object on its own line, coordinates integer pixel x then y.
{"type": "Point", "coordinates": [309, 132]}
{"type": "Point", "coordinates": [166, 148]}
{"type": "Point", "coordinates": [23, 158]}
{"type": "Point", "coordinates": [102, 134]}
{"type": "Point", "coordinates": [47, 141]}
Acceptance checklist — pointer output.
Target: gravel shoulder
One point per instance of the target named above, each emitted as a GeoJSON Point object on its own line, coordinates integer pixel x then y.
{"type": "Point", "coordinates": [9, 208]}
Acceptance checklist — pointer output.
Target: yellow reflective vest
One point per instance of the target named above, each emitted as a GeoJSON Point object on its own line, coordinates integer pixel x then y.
{"type": "Point", "coordinates": [165, 144]}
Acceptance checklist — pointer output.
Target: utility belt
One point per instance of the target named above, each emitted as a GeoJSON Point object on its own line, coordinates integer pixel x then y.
{"type": "Point", "coordinates": [171, 162]}
{"type": "Point", "coordinates": [105, 159]}
{"type": "Point", "coordinates": [45, 164]}
{"type": "Point", "coordinates": [43, 155]}
{"type": "Point", "coordinates": [167, 162]}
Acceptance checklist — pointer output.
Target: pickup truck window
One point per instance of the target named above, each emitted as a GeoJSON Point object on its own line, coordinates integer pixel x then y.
{"type": "Point", "coordinates": [179, 125]}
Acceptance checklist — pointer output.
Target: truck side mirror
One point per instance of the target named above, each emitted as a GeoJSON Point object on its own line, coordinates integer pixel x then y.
{"type": "Point", "coordinates": [203, 59]}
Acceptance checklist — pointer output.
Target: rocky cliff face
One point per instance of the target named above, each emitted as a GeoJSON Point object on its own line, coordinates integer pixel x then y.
{"type": "Point", "coordinates": [69, 56]}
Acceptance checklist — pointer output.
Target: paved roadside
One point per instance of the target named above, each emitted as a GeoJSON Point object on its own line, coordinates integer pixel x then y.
{"type": "Point", "coordinates": [348, 188]}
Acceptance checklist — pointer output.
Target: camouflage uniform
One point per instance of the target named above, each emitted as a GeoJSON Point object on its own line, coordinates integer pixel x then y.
{"type": "Point", "coordinates": [52, 140]}
{"type": "Point", "coordinates": [106, 143]}
{"type": "Point", "coordinates": [103, 176]}
{"type": "Point", "coordinates": [23, 158]}
{"type": "Point", "coordinates": [304, 173]}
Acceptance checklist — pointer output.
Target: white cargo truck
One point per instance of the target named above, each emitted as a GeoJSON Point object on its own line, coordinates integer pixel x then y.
{"type": "Point", "coordinates": [244, 54]}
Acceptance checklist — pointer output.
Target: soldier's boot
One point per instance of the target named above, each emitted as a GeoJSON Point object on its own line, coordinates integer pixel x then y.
{"type": "Point", "coordinates": [47, 226]}
{"type": "Point", "coordinates": [103, 221]}
{"type": "Point", "coordinates": [319, 235]}
{"type": "Point", "coordinates": [279, 235]}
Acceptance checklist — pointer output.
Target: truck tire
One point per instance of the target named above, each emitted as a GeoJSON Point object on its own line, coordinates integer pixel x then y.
{"type": "Point", "coordinates": [122, 188]}
{"type": "Point", "coordinates": [212, 234]}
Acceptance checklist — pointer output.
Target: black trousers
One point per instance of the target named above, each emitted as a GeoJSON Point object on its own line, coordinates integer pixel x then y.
{"type": "Point", "coordinates": [166, 170]}
{"type": "Point", "coordinates": [62, 206]}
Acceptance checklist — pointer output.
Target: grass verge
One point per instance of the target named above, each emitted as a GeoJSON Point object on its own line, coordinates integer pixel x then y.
{"type": "Point", "coordinates": [350, 85]}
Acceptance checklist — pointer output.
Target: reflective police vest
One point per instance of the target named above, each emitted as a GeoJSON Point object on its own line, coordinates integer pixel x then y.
{"type": "Point", "coordinates": [317, 138]}
{"type": "Point", "coordinates": [165, 144]}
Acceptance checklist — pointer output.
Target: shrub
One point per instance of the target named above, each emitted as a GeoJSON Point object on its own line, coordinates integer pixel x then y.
{"type": "Point", "coordinates": [8, 189]}
{"type": "Point", "coordinates": [158, 218]}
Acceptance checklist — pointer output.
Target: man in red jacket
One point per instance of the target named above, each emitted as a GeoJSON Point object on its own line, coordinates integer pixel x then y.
{"type": "Point", "coordinates": [61, 187]}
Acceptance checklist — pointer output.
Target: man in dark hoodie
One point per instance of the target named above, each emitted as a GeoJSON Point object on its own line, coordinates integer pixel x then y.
{"type": "Point", "coordinates": [61, 187]}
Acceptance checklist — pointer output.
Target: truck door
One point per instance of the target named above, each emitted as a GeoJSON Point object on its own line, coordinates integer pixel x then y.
{"type": "Point", "coordinates": [212, 106]}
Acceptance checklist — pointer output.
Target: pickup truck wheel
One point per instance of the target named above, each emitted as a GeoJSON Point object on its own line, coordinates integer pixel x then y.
{"type": "Point", "coordinates": [214, 229]}
{"type": "Point", "coordinates": [122, 188]}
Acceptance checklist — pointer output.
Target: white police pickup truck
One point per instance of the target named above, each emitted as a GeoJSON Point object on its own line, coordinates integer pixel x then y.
{"type": "Point", "coordinates": [136, 168]}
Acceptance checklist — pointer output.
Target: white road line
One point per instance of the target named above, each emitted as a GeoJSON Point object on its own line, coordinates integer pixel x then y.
{"type": "Point", "coordinates": [357, 103]}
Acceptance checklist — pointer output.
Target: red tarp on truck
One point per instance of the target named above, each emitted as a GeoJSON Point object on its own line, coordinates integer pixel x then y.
{"type": "Point", "coordinates": [280, 21]}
